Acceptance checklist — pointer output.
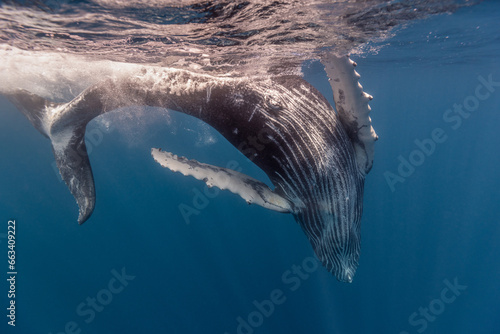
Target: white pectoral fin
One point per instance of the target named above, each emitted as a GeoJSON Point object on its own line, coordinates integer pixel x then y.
{"type": "Point", "coordinates": [352, 107]}
{"type": "Point", "coordinates": [250, 189]}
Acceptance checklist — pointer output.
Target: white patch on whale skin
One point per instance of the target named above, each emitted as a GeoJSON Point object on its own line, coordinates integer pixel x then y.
{"type": "Point", "coordinates": [250, 189]}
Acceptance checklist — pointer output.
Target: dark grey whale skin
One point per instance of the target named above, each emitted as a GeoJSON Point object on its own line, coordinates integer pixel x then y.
{"type": "Point", "coordinates": [282, 124]}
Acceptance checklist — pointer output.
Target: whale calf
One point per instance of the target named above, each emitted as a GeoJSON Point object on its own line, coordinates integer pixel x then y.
{"type": "Point", "coordinates": [316, 158]}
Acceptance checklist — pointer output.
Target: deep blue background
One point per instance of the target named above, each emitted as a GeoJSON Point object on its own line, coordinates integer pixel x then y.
{"type": "Point", "coordinates": [441, 223]}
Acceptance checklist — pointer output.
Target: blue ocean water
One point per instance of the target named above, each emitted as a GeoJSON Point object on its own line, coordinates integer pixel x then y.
{"type": "Point", "coordinates": [429, 229]}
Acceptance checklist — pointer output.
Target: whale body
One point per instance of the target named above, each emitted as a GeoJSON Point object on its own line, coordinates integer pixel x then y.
{"type": "Point", "coordinates": [315, 157]}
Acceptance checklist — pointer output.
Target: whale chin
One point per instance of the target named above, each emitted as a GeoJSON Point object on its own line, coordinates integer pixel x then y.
{"type": "Point", "coordinates": [342, 264]}
{"type": "Point", "coordinates": [347, 275]}
{"type": "Point", "coordinates": [343, 268]}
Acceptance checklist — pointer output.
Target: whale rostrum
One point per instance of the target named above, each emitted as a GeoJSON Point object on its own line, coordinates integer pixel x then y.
{"type": "Point", "coordinates": [316, 158]}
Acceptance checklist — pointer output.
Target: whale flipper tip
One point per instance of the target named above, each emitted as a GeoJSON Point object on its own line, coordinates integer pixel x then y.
{"type": "Point", "coordinates": [74, 166]}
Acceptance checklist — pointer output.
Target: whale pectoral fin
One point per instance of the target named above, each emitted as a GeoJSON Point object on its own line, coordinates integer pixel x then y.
{"type": "Point", "coordinates": [68, 145]}
{"type": "Point", "coordinates": [250, 189]}
{"type": "Point", "coordinates": [352, 107]}
{"type": "Point", "coordinates": [74, 165]}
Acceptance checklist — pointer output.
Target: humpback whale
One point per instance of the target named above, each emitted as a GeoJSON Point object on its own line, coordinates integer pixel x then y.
{"type": "Point", "coordinates": [316, 158]}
